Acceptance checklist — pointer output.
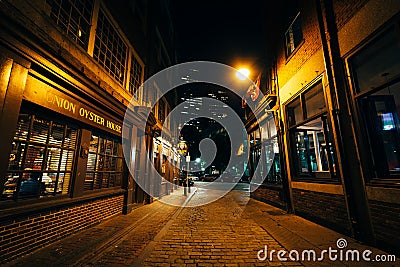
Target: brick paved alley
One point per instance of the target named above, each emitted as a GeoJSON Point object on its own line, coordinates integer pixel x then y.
{"type": "Point", "coordinates": [227, 232]}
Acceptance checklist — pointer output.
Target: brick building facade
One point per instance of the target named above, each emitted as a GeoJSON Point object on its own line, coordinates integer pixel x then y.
{"type": "Point", "coordinates": [334, 69]}
{"type": "Point", "coordinates": [68, 71]}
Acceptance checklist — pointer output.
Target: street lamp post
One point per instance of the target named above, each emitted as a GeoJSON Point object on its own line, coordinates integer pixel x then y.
{"type": "Point", "coordinates": [187, 172]}
{"type": "Point", "coordinates": [182, 149]}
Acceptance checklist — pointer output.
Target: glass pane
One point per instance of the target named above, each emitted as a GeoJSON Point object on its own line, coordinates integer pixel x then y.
{"type": "Point", "coordinates": [294, 113]}
{"type": "Point", "coordinates": [89, 181]}
{"type": "Point", "coordinates": [382, 119]}
{"type": "Point", "coordinates": [301, 146]}
{"type": "Point", "coordinates": [49, 182]}
{"type": "Point", "coordinates": [31, 184]}
{"type": "Point", "coordinates": [100, 163]}
{"type": "Point", "coordinates": [10, 186]}
{"type": "Point", "coordinates": [315, 153]}
{"type": "Point", "coordinates": [112, 179]}
{"type": "Point", "coordinates": [94, 144]}
{"type": "Point", "coordinates": [101, 145]}
{"type": "Point", "coordinates": [53, 158]}
{"type": "Point", "coordinates": [67, 160]}
{"type": "Point", "coordinates": [105, 180]}
{"type": "Point", "coordinates": [272, 128]}
{"type": "Point", "coordinates": [57, 134]}
{"type": "Point", "coordinates": [98, 177]}
{"type": "Point", "coordinates": [70, 138]}
{"type": "Point", "coordinates": [315, 102]}
{"type": "Point", "coordinates": [113, 163]}
{"type": "Point", "coordinates": [109, 147]}
{"type": "Point", "coordinates": [16, 156]}
{"type": "Point", "coordinates": [91, 163]}
{"type": "Point", "coordinates": [34, 157]}
{"type": "Point", "coordinates": [63, 183]}
{"type": "Point", "coordinates": [40, 131]}
{"type": "Point", "coordinates": [378, 62]}
{"type": "Point", "coordinates": [23, 127]}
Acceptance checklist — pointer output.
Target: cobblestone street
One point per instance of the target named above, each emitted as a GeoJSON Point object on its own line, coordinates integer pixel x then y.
{"type": "Point", "coordinates": [227, 232]}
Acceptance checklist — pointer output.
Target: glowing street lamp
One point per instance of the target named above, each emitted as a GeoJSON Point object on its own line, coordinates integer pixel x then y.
{"type": "Point", "coordinates": [242, 74]}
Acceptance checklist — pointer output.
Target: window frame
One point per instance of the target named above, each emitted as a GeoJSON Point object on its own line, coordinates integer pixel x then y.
{"type": "Point", "coordinates": [131, 54]}
{"type": "Point", "coordinates": [293, 128]}
{"type": "Point", "coordinates": [364, 145]}
{"type": "Point", "coordinates": [89, 185]}
{"type": "Point", "coordinates": [292, 40]}
{"type": "Point", "coordinates": [39, 171]}
{"type": "Point", "coordinates": [56, 17]}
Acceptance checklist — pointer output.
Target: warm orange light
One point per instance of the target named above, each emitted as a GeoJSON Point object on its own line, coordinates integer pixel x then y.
{"type": "Point", "coordinates": [242, 74]}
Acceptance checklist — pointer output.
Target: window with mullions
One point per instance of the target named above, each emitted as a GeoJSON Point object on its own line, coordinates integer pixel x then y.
{"type": "Point", "coordinates": [376, 72]}
{"type": "Point", "coordinates": [109, 48]}
{"type": "Point", "coordinates": [271, 160]}
{"type": "Point", "coordinates": [41, 159]}
{"type": "Point", "coordinates": [135, 79]}
{"type": "Point", "coordinates": [293, 36]}
{"type": "Point", "coordinates": [104, 166]}
{"type": "Point", "coordinates": [73, 18]}
{"type": "Point", "coordinates": [313, 153]}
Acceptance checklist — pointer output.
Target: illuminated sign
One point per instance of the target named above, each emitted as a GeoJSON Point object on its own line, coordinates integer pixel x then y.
{"type": "Point", "coordinates": [48, 97]}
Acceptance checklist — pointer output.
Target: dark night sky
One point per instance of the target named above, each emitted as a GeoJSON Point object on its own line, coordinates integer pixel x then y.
{"type": "Point", "coordinates": [221, 31]}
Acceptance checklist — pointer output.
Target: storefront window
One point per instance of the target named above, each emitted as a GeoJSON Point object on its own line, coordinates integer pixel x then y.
{"type": "Point", "coordinates": [377, 63]}
{"type": "Point", "coordinates": [311, 140]}
{"type": "Point", "coordinates": [375, 73]}
{"type": "Point", "coordinates": [272, 160]}
{"type": "Point", "coordinates": [314, 154]}
{"type": "Point", "coordinates": [264, 149]}
{"type": "Point", "coordinates": [381, 117]}
{"type": "Point", "coordinates": [41, 159]}
{"type": "Point", "coordinates": [104, 166]}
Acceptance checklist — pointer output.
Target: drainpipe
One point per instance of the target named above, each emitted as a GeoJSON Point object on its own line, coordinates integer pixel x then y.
{"type": "Point", "coordinates": [287, 196]}
{"type": "Point", "coordinates": [344, 137]}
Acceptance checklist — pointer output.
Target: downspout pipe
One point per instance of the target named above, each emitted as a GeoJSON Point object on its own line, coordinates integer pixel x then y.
{"type": "Point", "coordinates": [349, 169]}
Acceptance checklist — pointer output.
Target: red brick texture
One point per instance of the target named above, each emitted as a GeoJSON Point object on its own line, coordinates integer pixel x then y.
{"type": "Point", "coordinates": [326, 209]}
{"type": "Point", "coordinates": [23, 234]}
{"type": "Point", "coordinates": [272, 196]}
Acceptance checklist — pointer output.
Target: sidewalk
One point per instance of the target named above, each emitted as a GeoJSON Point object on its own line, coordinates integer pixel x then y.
{"type": "Point", "coordinates": [227, 232]}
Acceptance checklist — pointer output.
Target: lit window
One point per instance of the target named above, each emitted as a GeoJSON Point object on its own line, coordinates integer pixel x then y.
{"type": "Point", "coordinates": [311, 139]}
{"type": "Point", "coordinates": [73, 18]}
{"type": "Point", "coordinates": [104, 166]}
{"type": "Point", "coordinates": [293, 35]}
{"type": "Point", "coordinates": [41, 158]}
{"type": "Point", "coordinates": [109, 48]}
{"type": "Point", "coordinates": [135, 79]}
{"type": "Point", "coordinates": [375, 75]}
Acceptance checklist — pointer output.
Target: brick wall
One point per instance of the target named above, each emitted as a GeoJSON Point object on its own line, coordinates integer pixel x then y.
{"type": "Point", "coordinates": [345, 10]}
{"type": "Point", "coordinates": [386, 222]}
{"type": "Point", "coordinates": [323, 208]}
{"type": "Point", "coordinates": [312, 43]}
{"type": "Point", "coordinates": [23, 234]}
{"type": "Point", "coordinates": [269, 195]}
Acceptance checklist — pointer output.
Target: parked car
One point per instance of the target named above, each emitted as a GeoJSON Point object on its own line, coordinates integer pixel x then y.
{"type": "Point", "coordinates": [209, 177]}
{"type": "Point", "coordinates": [229, 178]}
{"type": "Point", "coordinates": [194, 178]}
